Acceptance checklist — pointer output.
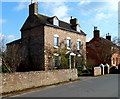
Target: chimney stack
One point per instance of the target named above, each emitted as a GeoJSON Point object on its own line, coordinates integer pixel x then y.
{"type": "Point", "coordinates": [96, 32]}
{"type": "Point", "coordinates": [33, 8]}
{"type": "Point", "coordinates": [73, 21]}
{"type": "Point", "coordinates": [108, 36]}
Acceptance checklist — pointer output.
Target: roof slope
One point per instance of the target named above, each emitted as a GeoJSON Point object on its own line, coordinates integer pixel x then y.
{"type": "Point", "coordinates": [39, 19]}
{"type": "Point", "coordinates": [15, 42]}
{"type": "Point", "coordinates": [99, 41]}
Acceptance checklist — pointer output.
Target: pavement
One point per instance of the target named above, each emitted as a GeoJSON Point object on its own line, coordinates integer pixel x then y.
{"type": "Point", "coordinates": [102, 86]}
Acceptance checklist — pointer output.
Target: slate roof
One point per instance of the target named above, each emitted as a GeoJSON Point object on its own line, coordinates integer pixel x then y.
{"type": "Point", "coordinates": [14, 42]}
{"type": "Point", "coordinates": [46, 20]}
{"type": "Point", "coordinates": [101, 40]}
{"type": "Point", "coordinates": [39, 19]}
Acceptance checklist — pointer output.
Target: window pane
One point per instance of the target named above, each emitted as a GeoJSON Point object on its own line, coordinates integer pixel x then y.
{"type": "Point", "coordinates": [113, 60]}
{"type": "Point", "coordinates": [55, 41]}
{"type": "Point", "coordinates": [56, 22]}
{"type": "Point", "coordinates": [78, 28]}
{"type": "Point", "coordinates": [57, 61]}
{"type": "Point", "coordinates": [78, 45]}
{"type": "Point", "coordinates": [68, 43]}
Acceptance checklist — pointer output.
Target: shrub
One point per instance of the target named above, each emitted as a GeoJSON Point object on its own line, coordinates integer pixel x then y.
{"type": "Point", "coordinates": [70, 79]}
{"type": "Point", "coordinates": [113, 70]}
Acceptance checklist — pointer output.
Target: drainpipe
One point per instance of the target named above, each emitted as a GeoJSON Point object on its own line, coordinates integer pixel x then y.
{"type": "Point", "coordinates": [74, 61]}
{"type": "Point", "coordinates": [70, 61]}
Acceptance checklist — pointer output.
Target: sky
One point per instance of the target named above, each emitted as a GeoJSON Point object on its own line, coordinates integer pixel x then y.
{"type": "Point", "coordinates": [90, 13]}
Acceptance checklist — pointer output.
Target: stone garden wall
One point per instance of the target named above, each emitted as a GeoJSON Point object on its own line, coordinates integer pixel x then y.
{"type": "Point", "coordinates": [22, 80]}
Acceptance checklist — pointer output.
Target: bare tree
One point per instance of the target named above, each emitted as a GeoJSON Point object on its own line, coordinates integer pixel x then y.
{"type": "Point", "coordinates": [4, 67]}
{"type": "Point", "coordinates": [13, 56]}
{"type": "Point", "coordinates": [116, 40]}
{"type": "Point", "coordinates": [63, 56]}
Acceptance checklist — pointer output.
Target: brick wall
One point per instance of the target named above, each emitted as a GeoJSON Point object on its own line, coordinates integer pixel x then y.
{"type": "Point", "coordinates": [116, 58]}
{"type": "Point", "coordinates": [23, 80]}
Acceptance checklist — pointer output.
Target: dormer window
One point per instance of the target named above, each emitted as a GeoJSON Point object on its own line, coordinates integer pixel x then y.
{"type": "Point", "coordinates": [55, 21]}
{"type": "Point", "coordinates": [78, 28]}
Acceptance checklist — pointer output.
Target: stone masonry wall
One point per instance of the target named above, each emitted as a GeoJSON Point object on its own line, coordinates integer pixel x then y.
{"type": "Point", "coordinates": [22, 80]}
{"type": "Point", "coordinates": [33, 48]}
{"type": "Point", "coordinates": [49, 33]}
{"type": "Point", "coordinates": [14, 55]}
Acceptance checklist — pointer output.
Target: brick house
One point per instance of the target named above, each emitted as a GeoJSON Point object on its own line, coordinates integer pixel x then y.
{"type": "Point", "coordinates": [40, 34]}
{"type": "Point", "coordinates": [102, 50]}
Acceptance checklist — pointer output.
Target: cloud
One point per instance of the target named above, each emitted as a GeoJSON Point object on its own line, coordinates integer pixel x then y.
{"type": "Point", "coordinates": [102, 16]}
{"type": "Point", "coordinates": [60, 11]}
{"type": "Point", "coordinates": [90, 6]}
{"type": "Point", "coordinates": [112, 6]}
{"type": "Point", "coordinates": [66, 19]}
{"type": "Point", "coordinates": [1, 36]}
{"type": "Point", "coordinates": [6, 37]}
{"type": "Point", "coordinates": [20, 6]}
{"type": "Point", "coordinates": [2, 20]}
{"type": "Point", "coordinates": [10, 37]}
{"type": "Point", "coordinates": [83, 2]}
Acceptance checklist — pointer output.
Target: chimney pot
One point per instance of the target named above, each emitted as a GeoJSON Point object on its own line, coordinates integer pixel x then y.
{"type": "Point", "coordinates": [95, 28]}
{"type": "Point", "coordinates": [96, 33]}
{"type": "Point", "coordinates": [108, 37]}
{"type": "Point", "coordinates": [33, 8]}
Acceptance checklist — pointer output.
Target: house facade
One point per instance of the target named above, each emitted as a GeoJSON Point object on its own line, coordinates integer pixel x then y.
{"type": "Point", "coordinates": [42, 41]}
{"type": "Point", "coordinates": [102, 50]}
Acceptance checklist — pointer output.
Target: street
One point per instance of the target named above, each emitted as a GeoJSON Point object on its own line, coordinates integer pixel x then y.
{"type": "Point", "coordinates": [102, 86]}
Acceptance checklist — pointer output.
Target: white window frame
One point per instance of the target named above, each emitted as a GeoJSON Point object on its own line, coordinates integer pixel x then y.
{"type": "Point", "coordinates": [68, 38]}
{"type": "Point", "coordinates": [56, 21]}
{"type": "Point", "coordinates": [56, 36]}
{"type": "Point", "coordinates": [78, 46]}
{"type": "Point", "coordinates": [78, 28]}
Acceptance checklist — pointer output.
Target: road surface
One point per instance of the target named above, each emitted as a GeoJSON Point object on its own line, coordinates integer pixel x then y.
{"type": "Point", "coordinates": [102, 86]}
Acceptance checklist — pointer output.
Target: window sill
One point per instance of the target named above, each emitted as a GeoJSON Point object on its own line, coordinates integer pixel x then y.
{"type": "Point", "coordinates": [55, 46]}
{"type": "Point", "coordinates": [68, 48]}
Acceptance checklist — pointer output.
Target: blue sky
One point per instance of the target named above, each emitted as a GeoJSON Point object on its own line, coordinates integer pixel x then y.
{"type": "Point", "coordinates": [89, 13]}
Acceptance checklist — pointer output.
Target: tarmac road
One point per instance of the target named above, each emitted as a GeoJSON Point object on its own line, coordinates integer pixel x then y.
{"type": "Point", "coordinates": [102, 86]}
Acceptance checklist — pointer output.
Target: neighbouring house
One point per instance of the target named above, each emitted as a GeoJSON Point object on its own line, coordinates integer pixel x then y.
{"type": "Point", "coordinates": [102, 50]}
{"type": "Point", "coordinates": [41, 43]}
